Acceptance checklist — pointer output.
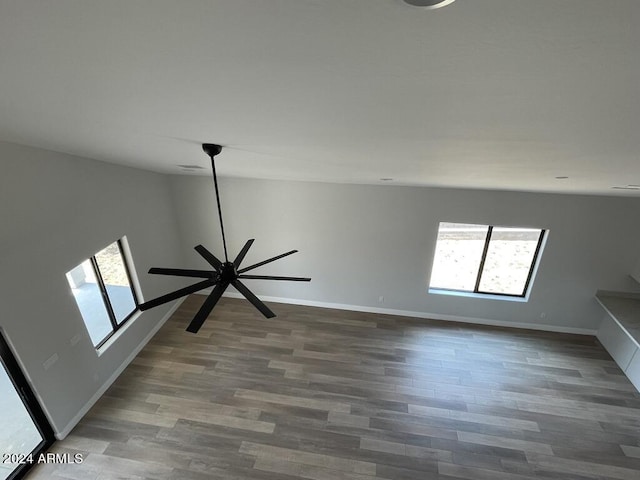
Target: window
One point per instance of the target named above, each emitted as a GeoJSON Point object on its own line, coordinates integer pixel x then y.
{"type": "Point", "coordinates": [102, 288]}
{"type": "Point", "coordinates": [485, 259]}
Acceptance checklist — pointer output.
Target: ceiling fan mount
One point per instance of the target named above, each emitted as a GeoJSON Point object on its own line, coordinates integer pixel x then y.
{"type": "Point", "coordinates": [223, 274]}
{"type": "Point", "coordinates": [211, 149]}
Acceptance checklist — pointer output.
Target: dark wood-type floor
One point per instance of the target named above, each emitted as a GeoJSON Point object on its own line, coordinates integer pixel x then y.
{"type": "Point", "coordinates": [327, 394]}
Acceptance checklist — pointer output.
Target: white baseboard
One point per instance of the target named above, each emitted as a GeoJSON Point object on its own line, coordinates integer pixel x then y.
{"type": "Point", "coordinates": [426, 315]}
{"type": "Point", "coordinates": [103, 388]}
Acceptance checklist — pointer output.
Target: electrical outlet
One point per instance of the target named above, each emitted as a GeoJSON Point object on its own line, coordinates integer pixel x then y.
{"type": "Point", "coordinates": [50, 361]}
{"type": "Point", "coordinates": [380, 299]}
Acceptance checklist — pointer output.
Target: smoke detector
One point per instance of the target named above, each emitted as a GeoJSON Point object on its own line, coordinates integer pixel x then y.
{"type": "Point", "coordinates": [429, 4]}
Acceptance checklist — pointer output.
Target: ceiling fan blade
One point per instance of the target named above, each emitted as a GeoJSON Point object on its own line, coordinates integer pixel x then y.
{"type": "Point", "coordinates": [243, 252]}
{"type": "Point", "coordinates": [269, 260]}
{"type": "Point", "coordinates": [255, 301]}
{"type": "Point", "coordinates": [270, 277]}
{"type": "Point", "coordinates": [209, 257]}
{"type": "Point", "coordinates": [206, 307]}
{"type": "Point", "coordinates": [180, 272]}
{"type": "Point", "coordinates": [196, 287]}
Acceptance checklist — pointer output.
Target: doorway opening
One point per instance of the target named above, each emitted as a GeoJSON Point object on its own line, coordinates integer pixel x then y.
{"type": "Point", "coordinates": [25, 432]}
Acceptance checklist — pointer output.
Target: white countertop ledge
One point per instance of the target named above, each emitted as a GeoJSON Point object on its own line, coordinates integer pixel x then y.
{"type": "Point", "coordinates": [624, 308]}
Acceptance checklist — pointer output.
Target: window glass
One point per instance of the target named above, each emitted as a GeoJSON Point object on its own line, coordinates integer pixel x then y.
{"type": "Point", "coordinates": [509, 260]}
{"type": "Point", "coordinates": [86, 291]}
{"type": "Point", "coordinates": [458, 253]}
{"type": "Point", "coordinates": [116, 281]}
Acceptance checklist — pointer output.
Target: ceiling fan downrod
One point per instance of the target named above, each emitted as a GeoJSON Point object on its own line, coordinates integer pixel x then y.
{"type": "Point", "coordinates": [212, 150]}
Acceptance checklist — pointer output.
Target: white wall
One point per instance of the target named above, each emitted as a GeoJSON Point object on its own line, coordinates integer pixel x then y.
{"type": "Point", "coordinates": [56, 211]}
{"type": "Point", "coordinates": [360, 242]}
{"type": "Point", "coordinates": [635, 273]}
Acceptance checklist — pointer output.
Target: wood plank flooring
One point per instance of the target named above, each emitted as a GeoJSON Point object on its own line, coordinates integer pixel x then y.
{"type": "Point", "coordinates": [325, 394]}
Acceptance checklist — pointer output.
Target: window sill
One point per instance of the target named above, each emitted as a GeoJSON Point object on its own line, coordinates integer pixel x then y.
{"type": "Point", "coordinates": [118, 333]}
{"type": "Point", "coordinates": [485, 296]}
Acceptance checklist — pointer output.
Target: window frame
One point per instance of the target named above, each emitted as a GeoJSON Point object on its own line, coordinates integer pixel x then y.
{"type": "Point", "coordinates": [485, 250]}
{"type": "Point", "coordinates": [115, 326]}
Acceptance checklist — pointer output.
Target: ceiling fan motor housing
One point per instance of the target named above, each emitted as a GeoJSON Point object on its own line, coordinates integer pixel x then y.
{"type": "Point", "coordinates": [229, 272]}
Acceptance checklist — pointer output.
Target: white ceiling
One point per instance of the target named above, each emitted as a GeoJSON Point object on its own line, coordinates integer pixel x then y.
{"type": "Point", "coordinates": [496, 94]}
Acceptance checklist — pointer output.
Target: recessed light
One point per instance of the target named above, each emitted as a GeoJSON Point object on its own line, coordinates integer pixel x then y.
{"type": "Point", "coordinates": [429, 4]}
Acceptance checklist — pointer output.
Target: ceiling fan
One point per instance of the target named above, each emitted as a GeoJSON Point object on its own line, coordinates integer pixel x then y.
{"type": "Point", "coordinates": [223, 274]}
